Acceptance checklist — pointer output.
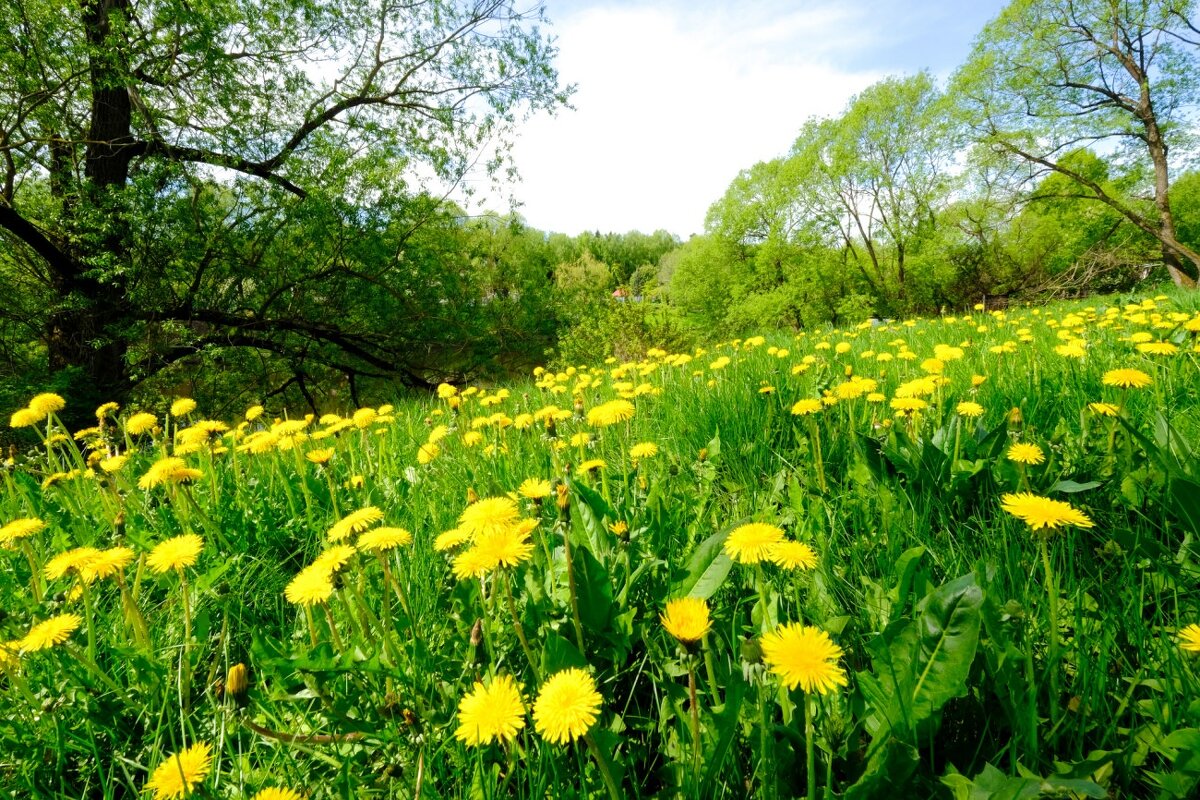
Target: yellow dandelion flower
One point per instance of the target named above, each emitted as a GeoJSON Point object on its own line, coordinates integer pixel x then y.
{"type": "Point", "coordinates": [50, 632]}
{"type": "Point", "coordinates": [1189, 638]}
{"type": "Point", "coordinates": [253, 413]}
{"type": "Point", "coordinates": [643, 450]}
{"type": "Point", "coordinates": [379, 539]}
{"type": "Point", "coordinates": [969, 409]}
{"type": "Point", "coordinates": [168, 470]}
{"type": "Point", "coordinates": [806, 406]}
{"type": "Point", "coordinates": [450, 540]}
{"type": "Point", "coordinates": [752, 543]}
{"type": "Point", "coordinates": [1127, 378]}
{"type": "Point", "coordinates": [354, 522]}
{"type": "Point", "coordinates": [804, 656]}
{"type": "Point", "coordinates": [175, 553]}
{"type": "Point", "coordinates": [277, 793]}
{"type": "Point", "coordinates": [506, 547]}
{"type": "Point", "coordinates": [427, 452]}
{"type": "Point", "coordinates": [1026, 453]}
{"type": "Point", "coordinates": [182, 407]}
{"type": "Point", "coordinates": [321, 456]}
{"type": "Point", "coordinates": [535, 489]}
{"type": "Point", "coordinates": [491, 713]}
{"type": "Point", "coordinates": [1158, 348]}
{"type": "Point", "coordinates": [334, 558]}
{"type": "Point", "coordinates": [792, 555]}
{"type": "Point", "coordinates": [610, 413]}
{"type": "Point", "coordinates": [114, 463]}
{"type": "Point", "coordinates": [488, 515]}
{"type": "Point", "coordinates": [75, 560]}
{"type": "Point", "coordinates": [20, 529]}
{"type": "Point", "coordinates": [140, 423]}
{"type": "Point", "coordinates": [181, 773]}
{"type": "Point", "coordinates": [106, 410]}
{"type": "Point", "coordinates": [472, 563]}
{"type": "Point", "coordinates": [1104, 409]}
{"type": "Point", "coordinates": [687, 619]}
{"type": "Point", "coordinates": [47, 403]}
{"type": "Point", "coordinates": [590, 465]}
{"type": "Point", "coordinates": [10, 654]}
{"type": "Point", "coordinates": [567, 706]}
{"type": "Point", "coordinates": [24, 418]}
{"type": "Point", "coordinates": [1042, 512]}
{"type": "Point", "coordinates": [312, 585]}
{"type": "Point", "coordinates": [107, 563]}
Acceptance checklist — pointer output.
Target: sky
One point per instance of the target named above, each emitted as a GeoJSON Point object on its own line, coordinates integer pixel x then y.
{"type": "Point", "coordinates": [674, 97]}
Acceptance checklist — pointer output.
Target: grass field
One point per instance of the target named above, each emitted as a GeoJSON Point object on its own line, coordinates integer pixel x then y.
{"type": "Point", "coordinates": [936, 558]}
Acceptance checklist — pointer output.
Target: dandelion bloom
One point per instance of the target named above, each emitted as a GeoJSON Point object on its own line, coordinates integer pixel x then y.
{"type": "Point", "coordinates": [106, 409]}
{"type": "Point", "coordinates": [687, 619]}
{"type": "Point", "coordinates": [1042, 512]}
{"type": "Point", "coordinates": [48, 633]}
{"type": "Point", "coordinates": [10, 654]}
{"type": "Point", "coordinates": [752, 543]}
{"type": "Point", "coordinates": [804, 656]}
{"type": "Point", "coordinates": [450, 540]}
{"type": "Point", "coordinates": [1104, 409]}
{"type": "Point", "coordinates": [506, 547]}
{"type": "Point", "coordinates": [535, 489]}
{"type": "Point", "coordinates": [334, 558]}
{"type": "Point", "coordinates": [175, 553]}
{"type": "Point", "coordinates": [643, 450]}
{"type": "Point", "coordinates": [969, 409]}
{"type": "Point", "coordinates": [1026, 453]}
{"type": "Point", "coordinates": [20, 529]}
{"type": "Point", "coordinates": [253, 413]}
{"type": "Point", "coordinates": [491, 713]}
{"type": "Point", "coordinates": [74, 559]}
{"type": "Point", "coordinates": [168, 470]}
{"type": "Point", "coordinates": [276, 793]}
{"type": "Point", "coordinates": [567, 706]}
{"type": "Point", "coordinates": [25, 417]}
{"type": "Point", "coordinates": [107, 563]}
{"type": "Point", "coordinates": [182, 407]}
{"type": "Point", "coordinates": [140, 423]}
{"type": "Point", "coordinates": [427, 453]}
{"type": "Point", "coordinates": [312, 585]}
{"type": "Point", "coordinates": [354, 522]}
{"type": "Point", "coordinates": [1158, 348]}
{"type": "Point", "coordinates": [180, 774]}
{"type": "Point", "coordinates": [47, 403]}
{"type": "Point", "coordinates": [807, 406]}
{"type": "Point", "coordinates": [610, 413]}
{"type": "Point", "coordinates": [1189, 638]}
{"type": "Point", "coordinates": [114, 463]}
{"type": "Point", "coordinates": [590, 465]}
{"type": "Point", "coordinates": [488, 515]}
{"type": "Point", "coordinates": [319, 456]}
{"type": "Point", "coordinates": [1127, 378]}
{"type": "Point", "coordinates": [472, 563]}
{"type": "Point", "coordinates": [383, 539]}
{"type": "Point", "coordinates": [908, 405]}
{"type": "Point", "coordinates": [792, 555]}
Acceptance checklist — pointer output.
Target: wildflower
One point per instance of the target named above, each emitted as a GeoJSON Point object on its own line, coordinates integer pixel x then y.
{"type": "Point", "coordinates": [1158, 348]}
{"type": "Point", "coordinates": [354, 522]}
{"type": "Point", "coordinates": [643, 450]}
{"type": "Point", "coordinates": [1189, 638]}
{"type": "Point", "coordinates": [383, 539]}
{"type": "Point", "coordinates": [806, 406]}
{"type": "Point", "coordinates": [114, 463]}
{"type": "Point", "coordinates": [506, 547]}
{"type": "Point", "coordinates": [908, 405]}
{"type": "Point", "coordinates": [445, 391]}
{"type": "Point", "coordinates": [312, 585]}
{"type": "Point", "coordinates": [1127, 378]}
{"type": "Point", "coordinates": [168, 470]}
{"type": "Point", "coordinates": [334, 558]}
{"type": "Point", "coordinates": [75, 559]}
{"type": "Point", "coordinates": [47, 403]}
{"type": "Point", "coordinates": [10, 654]}
{"type": "Point", "coordinates": [25, 417]}
{"type": "Point", "coordinates": [276, 793]}
{"type": "Point", "coordinates": [1104, 409]}
{"type": "Point", "coordinates": [106, 564]}
{"type": "Point", "coordinates": [686, 618]}
{"type": "Point", "coordinates": [20, 529]}
{"type": "Point", "coordinates": [1026, 453]}
{"type": "Point", "coordinates": [140, 423]}
{"type": "Point", "coordinates": [237, 680]}
{"type": "Point", "coordinates": [969, 409]}
{"type": "Point", "coordinates": [535, 489]}
{"type": "Point", "coordinates": [792, 555]}
{"type": "Point", "coordinates": [610, 413]}
{"type": "Point", "coordinates": [180, 774]}
{"type": "Point", "coordinates": [591, 465]}
{"type": "Point", "coordinates": [472, 438]}
{"type": "Point", "coordinates": [105, 410]}
{"type": "Point", "coordinates": [175, 553]}
{"type": "Point", "coordinates": [427, 452]}
{"type": "Point", "coordinates": [567, 706]}
{"type": "Point", "coordinates": [491, 713]}
{"type": "Point", "coordinates": [319, 456]}
{"type": "Point", "coordinates": [471, 563]}
{"type": "Point", "coordinates": [804, 656]}
{"type": "Point", "coordinates": [50, 632]}
{"type": "Point", "coordinates": [488, 515]}
{"type": "Point", "coordinates": [450, 540]}
{"type": "Point", "coordinates": [1042, 512]}
{"type": "Point", "coordinates": [752, 543]}
{"type": "Point", "coordinates": [253, 413]}
{"type": "Point", "coordinates": [182, 407]}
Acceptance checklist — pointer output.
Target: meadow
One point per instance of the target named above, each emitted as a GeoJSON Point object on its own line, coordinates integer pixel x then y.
{"type": "Point", "coordinates": [951, 557]}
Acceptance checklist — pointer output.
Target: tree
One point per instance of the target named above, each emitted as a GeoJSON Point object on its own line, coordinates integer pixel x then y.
{"type": "Point", "coordinates": [1048, 77]}
{"type": "Point", "coordinates": [184, 176]}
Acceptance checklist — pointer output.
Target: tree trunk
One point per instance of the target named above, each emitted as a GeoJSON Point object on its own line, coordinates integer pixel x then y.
{"type": "Point", "coordinates": [1174, 254]}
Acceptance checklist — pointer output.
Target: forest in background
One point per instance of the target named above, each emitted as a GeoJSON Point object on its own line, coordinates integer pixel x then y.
{"type": "Point", "coordinates": [213, 199]}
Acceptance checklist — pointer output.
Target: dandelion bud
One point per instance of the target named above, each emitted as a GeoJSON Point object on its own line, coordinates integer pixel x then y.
{"type": "Point", "coordinates": [237, 680]}
{"type": "Point", "coordinates": [477, 633]}
{"type": "Point", "coordinates": [703, 456]}
{"type": "Point", "coordinates": [1015, 418]}
{"type": "Point", "coordinates": [751, 651]}
{"type": "Point", "coordinates": [551, 427]}
{"type": "Point", "coordinates": [578, 407]}
{"type": "Point", "coordinates": [849, 370]}
{"type": "Point", "coordinates": [472, 497]}
{"type": "Point", "coordinates": [563, 500]}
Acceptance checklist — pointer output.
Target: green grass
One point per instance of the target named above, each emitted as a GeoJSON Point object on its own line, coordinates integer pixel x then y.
{"type": "Point", "coordinates": [939, 599]}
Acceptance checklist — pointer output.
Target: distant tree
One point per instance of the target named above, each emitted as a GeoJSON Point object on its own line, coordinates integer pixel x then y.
{"type": "Point", "coordinates": [188, 176]}
{"type": "Point", "coordinates": [1050, 76]}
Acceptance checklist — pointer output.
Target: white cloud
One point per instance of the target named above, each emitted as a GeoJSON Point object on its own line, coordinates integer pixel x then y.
{"type": "Point", "coordinates": [672, 102]}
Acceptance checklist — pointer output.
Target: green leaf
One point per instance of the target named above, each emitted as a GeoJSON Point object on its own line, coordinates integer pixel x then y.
{"type": "Point", "coordinates": [594, 588]}
{"type": "Point", "coordinates": [727, 725]}
{"type": "Point", "coordinates": [887, 774]}
{"type": "Point", "coordinates": [1071, 487]}
{"type": "Point", "coordinates": [707, 568]}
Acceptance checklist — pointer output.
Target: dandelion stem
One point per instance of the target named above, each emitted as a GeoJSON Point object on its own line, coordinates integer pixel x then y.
{"type": "Point", "coordinates": [810, 758]}
{"type": "Point", "coordinates": [571, 590]}
{"type": "Point", "coordinates": [695, 719]}
{"type": "Point", "coordinates": [512, 607]}
{"type": "Point", "coordinates": [333, 631]}
{"type": "Point", "coordinates": [610, 782]}
{"type": "Point", "coordinates": [35, 575]}
{"type": "Point", "coordinates": [1052, 598]}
